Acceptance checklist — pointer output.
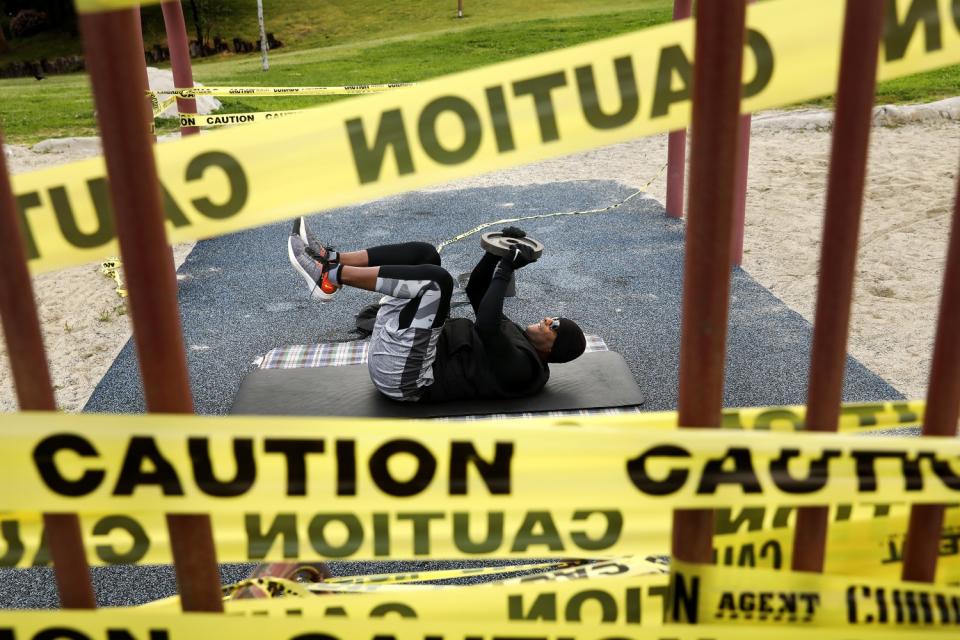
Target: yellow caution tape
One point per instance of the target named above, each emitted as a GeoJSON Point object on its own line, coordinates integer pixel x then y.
{"type": "Point", "coordinates": [220, 119]}
{"type": "Point", "coordinates": [391, 625]}
{"type": "Point", "coordinates": [499, 116]}
{"type": "Point", "coordinates": [159, 106]}
{"type": "Point", "coordinates": [357, 468]}
{"type": "Point", "coordinates": [135, 537]}
{"type": "Point", "coordinates": [379, 579]}
{"type": "Point", "coordinates": [701, 594]}
{"type": "Point", "coordinates": [111, 269]}
{"type": "Point", "coordinates": [270, 587]}
{"type": "Point", "coordinates": [266, 92]}
{"type": "Point", "coordinates": [866, 540]}
{"type": "Point", "coordinates": [721, 595]}
{"type": "Point", "coordinates": [96, 6]}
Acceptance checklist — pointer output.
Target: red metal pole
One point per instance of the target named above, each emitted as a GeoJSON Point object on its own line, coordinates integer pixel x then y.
{"type": "Point", "coordinates": [706, 283]}
{"type": "Point", "coordinates": [863, 24]}
{"type": "Point", "coordinates": [677, 141]}
{"type": "Point", "coordinates": [31, 377]}
{"type": "Point", "coordinates": [740, 205]}
{"type": "Point", "coordinates": [113, 56]}
{"type": "Point", "coordinates": [141, 78]}
{"type": "Point", "coordinates": [943, 410]}
{"type": "Point", "coordinates": [176, 29]}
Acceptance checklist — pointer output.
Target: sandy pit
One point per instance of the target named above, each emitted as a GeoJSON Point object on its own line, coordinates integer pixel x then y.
{"type": "Point", "coordinates": [911, 182]}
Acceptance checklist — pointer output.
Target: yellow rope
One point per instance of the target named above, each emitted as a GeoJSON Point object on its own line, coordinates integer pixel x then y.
{"type": "Point", "coordinates": [481, 227]}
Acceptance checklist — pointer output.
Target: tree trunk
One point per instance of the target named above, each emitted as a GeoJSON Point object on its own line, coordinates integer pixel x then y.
{"type": "Point", "coordinates": [4, 47]}
{"type": "Point", "coordinates": [198, 24]}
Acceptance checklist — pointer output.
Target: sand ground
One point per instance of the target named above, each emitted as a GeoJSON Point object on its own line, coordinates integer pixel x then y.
{"type": "Point", "coordinates": [912, 178]}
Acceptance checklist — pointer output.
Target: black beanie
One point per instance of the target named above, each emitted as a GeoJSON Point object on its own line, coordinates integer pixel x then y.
{"type": "Point", "coordinates": [570, 342]}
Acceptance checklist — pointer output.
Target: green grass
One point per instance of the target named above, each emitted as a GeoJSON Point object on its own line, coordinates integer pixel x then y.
{"type": "Point", "coordinates": [361, 41]}
{"type": "Point", "coordinates": [61, 105]}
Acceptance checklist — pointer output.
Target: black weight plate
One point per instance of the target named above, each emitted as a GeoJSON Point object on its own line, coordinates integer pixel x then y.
{"type": "Point", "coordinates": [498, 244]}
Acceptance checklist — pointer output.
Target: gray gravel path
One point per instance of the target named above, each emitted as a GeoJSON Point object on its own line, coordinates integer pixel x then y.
{"type": "Point", "coordinates": [618, 273]}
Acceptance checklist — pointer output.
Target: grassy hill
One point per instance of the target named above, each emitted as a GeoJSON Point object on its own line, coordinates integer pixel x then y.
{"type": "Point", "coordinates": [311, 23]}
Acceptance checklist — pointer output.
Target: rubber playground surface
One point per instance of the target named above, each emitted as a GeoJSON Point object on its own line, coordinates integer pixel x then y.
{"type": "Point", "coordinates": [619, 274]}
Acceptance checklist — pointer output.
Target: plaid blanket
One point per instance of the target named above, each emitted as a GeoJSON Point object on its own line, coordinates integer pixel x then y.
{"type": "Point", "coordinates": [336, 354]}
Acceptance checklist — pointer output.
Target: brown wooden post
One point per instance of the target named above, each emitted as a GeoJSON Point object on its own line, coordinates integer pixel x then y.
{"type": "Point", "coordinates": [838, 252]}
{"type": "Point", "coordinates": [922, 545]}
{"type": "Point", "coordinates": [112, 54]}
{"type": "Point", "coordinates": [677, 142]}
{"type": "Point", "coordinates": [31, 378]}
{"type": "Point", "coordinates": [176, 29]}
{"type": "Point", "coordinates": [706, 283]}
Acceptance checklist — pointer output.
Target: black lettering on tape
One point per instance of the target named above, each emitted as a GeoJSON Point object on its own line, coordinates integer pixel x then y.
{"type": "Point", "coordinates": [766, 419]}
{"type": "Point", "coordinates": [543, 607]}
{"type": "Point", "coordinates": [381, 534]}
{"type": "Point", "coordinates": [540, 88]}
{"type": "Point", "coordinates": [318, 538]}
{"type": "Point", "coordinates": [683, 604]}
{"type": "Point", "coordinates": [259, 544]}
{"type": "Point", "coordinates": [771, 549]}
{"type": "Point", "coordinates": [897, 35]}
{"type": "Point", "coordinates": [399, 608]}
{"type": "Point", "coordinates": [866, 473]}
{"type": "Point", "coordinates": [380, 471]}
{"type": "Point", "coordinates": [742, 473]}
{"type": "Point", "coordinates": [246, 468]}
{"type": "Point", "coordinates": [123, 634]}
{"type": "Point", "coordinates": [295, 450]}
{"type": "Point", "coordinates": [725, 522]}
{"type": "Point", "coordinates": [495, 473]}
{"type": "Point", "coordinates": [346, 451]}
{"type": "Point", "coordinates": [102, 234]}
{"type": "Point", "coordinates": [637, 470]}
{"type": "Point", "coordinates": [60, 633]}
{"type": "Point", "coordinates": [314, 636]}
{"type": "Point", "coordinates": [866, 414]}
{"type": "Point", "coordinates": [421, 529]}
{"type": "Point", "coordinates": [391, 134]}
{"type": "Point", "coordinates": [171, 210]}
{"type": "Point", "coordinates": [469, 120]}
{"type": "Point", "coordinates": [608, 605]}
{"type": "Point", "coordinates": [140, 542]}
{"type": "Point", "coordinates": [672, 60]}
{"type": "Point", "coordinates": [143, 449]}
{"type": "Point", "coordinates": [816, 478]}
{"type": "Point", "coordinates": [763, 55]}
{"type": "Point", "coordinates": [239, 189]}
{"type": "Point", "coordinates": [946, 474]}
{"type": "Point", "coordinates": [537, 528]}
{"type": "Point", "coordinates": [25, 202]}
{"type": "Point", "coordinates": [10, 532]}
{"type": "Point", "coordinates": [590, 101]}
{"type": "Point", "coordinates": [491, 541]}
{"type": "Point", "coordinates": [43, 459]}
{"type": "Point", "coordinates": [500, 118]}
{"type": "Point", "coordinates": [610, 535]}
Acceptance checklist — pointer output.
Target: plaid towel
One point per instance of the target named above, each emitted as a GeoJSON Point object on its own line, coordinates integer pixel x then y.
{"type": "Point", "coordinates": [335, 354]}
{"type": "Point", "coordinates": [341, 353]}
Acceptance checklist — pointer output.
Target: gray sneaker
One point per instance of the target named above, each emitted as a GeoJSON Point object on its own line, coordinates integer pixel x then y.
{"type": "Point", "coordinates": [314, 246]}
{"type": "Point", "coordinates": [310, 269]}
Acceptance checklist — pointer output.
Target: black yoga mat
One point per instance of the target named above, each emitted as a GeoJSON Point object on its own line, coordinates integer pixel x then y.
{"type": "Point", "coordinates": [592, 381]}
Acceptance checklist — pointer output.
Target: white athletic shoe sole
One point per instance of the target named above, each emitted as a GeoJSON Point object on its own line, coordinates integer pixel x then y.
{"type": "Point", "coordinates": [315, 291]}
